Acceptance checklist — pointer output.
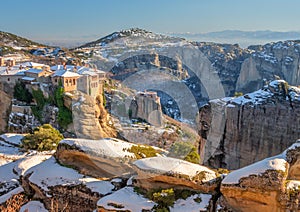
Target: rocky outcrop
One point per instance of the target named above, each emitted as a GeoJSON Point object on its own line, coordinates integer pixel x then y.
{"type": "Point", "coordinates": [236, 132]}
{"type": "Point", "coordinates": [269, 185]}
{"type": "Point", "coordinates": [278, 58]}
{"type": "Point", "coordinates": [228, 61]}
{"type": "Point", "coordinates": [21, 119]}
{"type": "Point", "coordinates": [146, 106]}
{"type": "Point", "coordinates": [90, 119]}
{"type": "Point", "coordinates": [5, 104]}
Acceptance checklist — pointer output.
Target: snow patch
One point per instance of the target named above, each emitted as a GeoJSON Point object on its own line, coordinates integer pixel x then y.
{"type": "Point", "coordinates": [5, 197]}
{"type": "Point", "coordinates": [12, 138]}
{"type": "Point", "coordinates": [109, 147]}
{"type": "Point", "coordinates": [191, 204]}
{"type": "Point", "coordinates": [33, 206]}
{"type": "Point", "coordinates": [126, 199]}
{"type": "Point", "coordinates": [274, 163]}
{"type": "Point", "coordinates": [50, 173]}
{"type": "Point", "coordinates": [174, 165]}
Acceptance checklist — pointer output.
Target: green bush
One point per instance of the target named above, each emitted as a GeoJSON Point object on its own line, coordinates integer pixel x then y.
{"type": "Point", "coordinates": [21, 93]}
{"type": "Point", "coordinates": [237, 94]}
{"type": "Point", "coordinates": [143, 151]}
{"type": "Point", "coordinates": [185, 151]}
{"type": "Point", "coordinates": [42, 138]}
{"type": "Point", "coordinates": [164, 199]}
{"type": "Point", "coordinates": [104, 98]}
{"type": "Point", "coordinates": [40, 103]}
{"type": "Point", "coordinates": [64, 117]}
{"type": "Point", "coordinates": [64, 114]}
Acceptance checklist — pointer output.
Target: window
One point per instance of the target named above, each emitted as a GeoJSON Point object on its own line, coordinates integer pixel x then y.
{"type": "Point", "coordinates": [8, 79]}
{"type": "Point", "coordinates": [74, 82]}
{"type": "Point", "coordinates": [55, 80]}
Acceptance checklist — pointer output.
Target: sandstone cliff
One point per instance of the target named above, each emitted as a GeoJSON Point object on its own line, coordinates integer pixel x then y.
{"type": "Point", "coordinates": [236, 132]}
{"type": "Point", "coordinates": [5, 104]}
{"type": "Point", "coordinates": [90, 119]}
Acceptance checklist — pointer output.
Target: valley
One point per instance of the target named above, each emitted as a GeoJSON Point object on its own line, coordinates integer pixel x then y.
{"type": "Point", "coordinates": [140, 121]}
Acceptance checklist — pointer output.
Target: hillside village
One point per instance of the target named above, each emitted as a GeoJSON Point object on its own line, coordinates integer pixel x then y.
{"type": "Point", "coordinates": [73, 78]}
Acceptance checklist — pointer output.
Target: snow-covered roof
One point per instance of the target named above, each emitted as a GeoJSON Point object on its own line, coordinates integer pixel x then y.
{"type": "Point", "coordinates": [62, 67]}
{"type": "Point", "coordinates": [34, 71]}
{"type": "Point", "coordinates": [89, 71]}
{"type": "Point", "coordinates": [31, 64]}
{"type": "Point", "coordinates": [65, 73]}
{"type": "Point", "coordinates": [12, 72]}
{"type": "Point", "coordinates": [28, 78]}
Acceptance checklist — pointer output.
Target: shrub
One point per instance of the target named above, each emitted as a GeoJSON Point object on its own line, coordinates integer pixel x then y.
{"type": "Point", "coordinates": [164, 199]}
{"type": "Point", "coordinates": [185, 151]}
{"type": "Point", "coordinates": [21, 93]}
{"type": "Point", "coordinates": [237, 94]}
{"type": "Point", "coordinates": [40, 103]}
{"type": "Point", "coordinates": [104, 98]}
{"type": "Point", "coordinates": [143, 151]}
{"type": "Point", "coordinates": [42, 138]}
{"type": "Point", "coordinates": [64, 114]}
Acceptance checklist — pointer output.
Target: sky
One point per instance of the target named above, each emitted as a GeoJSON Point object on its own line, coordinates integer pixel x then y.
{"type": "Point", "coordinates": [91, 19]}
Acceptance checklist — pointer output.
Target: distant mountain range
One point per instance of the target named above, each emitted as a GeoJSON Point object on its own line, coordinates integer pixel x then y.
{"type": "Point", "coordinates": [244, 38]}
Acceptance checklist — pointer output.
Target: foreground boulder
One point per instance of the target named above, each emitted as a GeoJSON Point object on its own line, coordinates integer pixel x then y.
{"type": "Point", "coordinates": [269, 185]}
{"type": "Point", "coordinates": [12, 194]}
{"type": "Point", "coordinates": [105, 158]}
{"type": "Point", "coordinates": [62, 188]}
{"type": "Point", "coordinates": [166, 172]}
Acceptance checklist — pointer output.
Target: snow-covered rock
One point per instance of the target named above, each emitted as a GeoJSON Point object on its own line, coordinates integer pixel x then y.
{"type": "Point", "coordinates": [173, 166]}
{"type": "Point", "coordinates": [268, 185]}
{"type": "Point", "coordinates": [98, 158]}
{"type": "Point", "coordinates": [166, 172]}
{"type": "Point", "coordinates": [9, 148]}
{"type": "Point", "coordinates": [52, 182]}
